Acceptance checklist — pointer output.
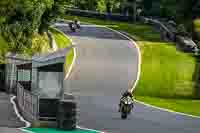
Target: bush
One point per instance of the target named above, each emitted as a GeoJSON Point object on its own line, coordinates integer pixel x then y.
{"type": "Point", "coordinates": [40, 43]}
{"type": "Point", "coordinates": [181, 30]}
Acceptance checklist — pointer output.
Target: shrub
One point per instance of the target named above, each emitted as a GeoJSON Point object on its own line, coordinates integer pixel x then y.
{"type": "Point", "coordinates": [40, 43]}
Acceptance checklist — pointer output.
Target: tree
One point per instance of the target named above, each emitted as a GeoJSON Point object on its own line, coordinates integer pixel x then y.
{"type": "Point", "coordinates": [168, 8]}
{"type": "Point", "coordinates": [108, 7]}
{"type": "Point", "coordinates": [97, 5]}
{"type": "Point", "coordinates": [101, 6]}
{"type": "Point", "coordinates": [54, 9]}
{"type": "Point", "coordinates": [147, 5]}
{"type": "Point", "coordinates": [20, 19]}
{"type": "Point", "coordinates": [185, 14]}
{"type": "Point", "coordinates": [134, 10]}
{"type": "Point", "coordinates": [86, 4]}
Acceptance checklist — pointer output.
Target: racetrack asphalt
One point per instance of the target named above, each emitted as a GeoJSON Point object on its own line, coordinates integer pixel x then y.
{"type": "Point", "coordinates": [106, 66]}
{"type": "Point", "coordinates": [9, 122]}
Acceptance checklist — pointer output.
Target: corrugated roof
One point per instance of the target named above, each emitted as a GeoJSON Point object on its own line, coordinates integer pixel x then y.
{"type": "Point", "coordinates": [50, 56]}
{"type": "Point", "coordinates": [17, 59]}
{"type": "Point", "coordinates": [20, 59]}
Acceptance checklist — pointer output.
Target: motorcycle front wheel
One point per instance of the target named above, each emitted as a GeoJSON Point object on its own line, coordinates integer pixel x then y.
{"type": "Point", "coordinates": [73, 30]}
{"type": "Point", "coordinates": [123, 115]}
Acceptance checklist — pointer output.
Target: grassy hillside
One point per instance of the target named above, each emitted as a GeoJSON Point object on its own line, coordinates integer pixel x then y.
{"type": "Point", "coordinates": [197, 24]}
{"type": "Point", "coordinates": [197, 29]}
{"type": "Point", "coordinates": [165, 72]}
{"type": "Point", "coordinates": [60, 38]}
{"type": "Point", "coordinates": [3, 48]}
{"type": "Point", "coordinates": [63, 41]}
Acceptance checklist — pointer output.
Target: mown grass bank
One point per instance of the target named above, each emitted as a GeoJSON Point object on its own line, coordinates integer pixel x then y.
{"type": "Point", "coordinates": [188, 106]}
{"type": "Point", "coordinates": [165, 72]}
{"type": "Point", "coordinates": [63, 41]}
{"type": "Point", "coordinates": [3, 49]}
{"type": "Point", "coordinates": [197, 29]}
{"type": "Point", "coordinates": [197, 25]}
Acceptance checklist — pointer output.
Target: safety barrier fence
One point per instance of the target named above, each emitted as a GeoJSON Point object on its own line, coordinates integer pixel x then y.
{"type": "Point", "coordinates": [28, 103]}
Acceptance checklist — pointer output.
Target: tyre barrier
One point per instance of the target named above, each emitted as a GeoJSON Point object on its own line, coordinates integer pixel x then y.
{"type": "Point", "coordinates": [66, 115]}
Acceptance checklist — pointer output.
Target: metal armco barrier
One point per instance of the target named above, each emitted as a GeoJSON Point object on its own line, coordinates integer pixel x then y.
{"type": "Point", "coordinates": [28, 103]}
{"type": "Point", "coordinates": [35, 108]}
{"type": "Point", "coordinates": [112, 16]}
{"type": "Point", "coordinates": [67, 115]}
{"type": "Point", "coordinates": [48, 109]}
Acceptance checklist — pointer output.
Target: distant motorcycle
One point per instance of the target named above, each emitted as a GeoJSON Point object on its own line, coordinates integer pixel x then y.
{"type": "Point", "coordinates": [72, 27]}
{"type": "Point", "coordinates": [77, 23]}
{"type": "Point", "coordinates": [126, 105]}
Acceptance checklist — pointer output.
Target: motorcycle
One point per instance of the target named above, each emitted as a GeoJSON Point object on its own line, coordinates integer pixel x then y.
{"type": "Point", "coordinates": [77, 23]}
{"type": "Point", "coordinates": [126, 105]}
{"type": "Point", "coordinates": [72, 27]}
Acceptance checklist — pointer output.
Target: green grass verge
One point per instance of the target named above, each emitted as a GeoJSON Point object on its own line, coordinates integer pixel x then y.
{"type": "Point", "coordinates": [197, 29]}
{"type": "Point", "coordinates": [63, 41]}
{"type": "Point", "coordinates": [187, 106]}
{"type": "Point", "coordinates": [165, 72]}
{"type": "Point", "coordinates": [197, 24]}
{"type": "Point", "coordinates": [3, 49]}
{"type": "Point", "coordinates": [69, 60]}
{"type": "Point", "coordinates": [54, 130]}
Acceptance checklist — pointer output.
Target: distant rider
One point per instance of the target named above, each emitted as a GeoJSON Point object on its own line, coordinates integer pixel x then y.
{"type": "Point", "coordinates": [77, 23]}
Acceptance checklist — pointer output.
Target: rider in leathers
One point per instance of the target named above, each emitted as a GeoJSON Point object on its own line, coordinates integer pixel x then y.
{"type": "Point", "coordinates": [125, 95]}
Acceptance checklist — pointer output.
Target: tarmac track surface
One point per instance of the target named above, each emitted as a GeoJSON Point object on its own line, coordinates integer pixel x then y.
{"type": "Point", "coordinates": [8, 119]}
{"type": "Point", "coordinates": [106, 66]}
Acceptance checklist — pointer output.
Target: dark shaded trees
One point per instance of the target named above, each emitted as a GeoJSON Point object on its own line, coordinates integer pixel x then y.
{"type": "Point", "coordinates": [186, 14]}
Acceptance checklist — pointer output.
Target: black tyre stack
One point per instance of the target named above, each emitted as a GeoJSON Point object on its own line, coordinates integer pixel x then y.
{"type": "Point", "coordinates": [66, 116]}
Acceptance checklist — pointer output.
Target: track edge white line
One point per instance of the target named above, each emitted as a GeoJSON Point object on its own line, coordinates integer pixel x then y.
{"type": "Point", "coordinates": [27, 124]}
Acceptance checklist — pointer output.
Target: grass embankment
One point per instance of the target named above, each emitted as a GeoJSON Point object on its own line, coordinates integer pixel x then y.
{"type": "Point", "coordinates": [63, 41]}
{"type": "Point", "coordinates": [197, 29]}
{"type": "Point", "coordinates": [188, 106]}
{"type": "Point", "coordinates": [3, 49]}
{"type": "Point", "coordinates": [166, 78]}
{"type": "Point", "coordinates": [197, 24]}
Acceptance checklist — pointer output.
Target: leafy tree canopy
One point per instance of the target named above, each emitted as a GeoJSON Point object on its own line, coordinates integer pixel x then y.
{"type": "Point", "coordinates": [20, 19]}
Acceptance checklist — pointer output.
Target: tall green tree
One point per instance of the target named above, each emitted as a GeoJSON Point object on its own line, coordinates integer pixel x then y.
{"type": "Point", "coordinates": [168, 8]}
{"type": "Point", "coordinates": [54, 9]}
{"type": "Point", "coordinates": [185, 14]}
{"type": "Point", "coordinates": [21, 18]}
{"type": "Point", "coordinates": [101, 6]}
{"type": "Point", "coordinates": [86, 4]}
{"type": "Point", "coordinates": [98, 5]}
{"type": "Point", "coordinates": [134, 9]}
